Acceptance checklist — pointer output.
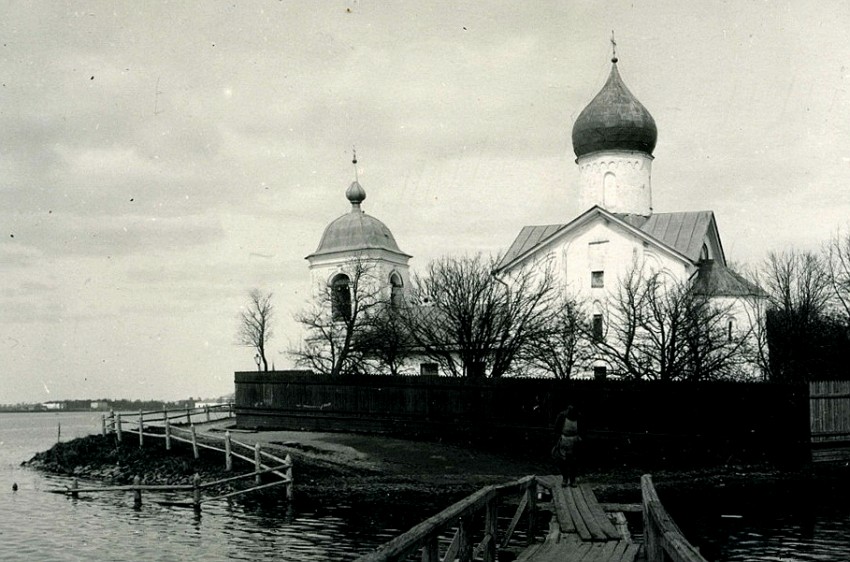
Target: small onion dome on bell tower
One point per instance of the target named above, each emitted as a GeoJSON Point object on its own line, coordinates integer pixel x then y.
{"type": "Point", "coordinates": [356, 194]}
{"type": "Point", "coordinates": [614, 120]}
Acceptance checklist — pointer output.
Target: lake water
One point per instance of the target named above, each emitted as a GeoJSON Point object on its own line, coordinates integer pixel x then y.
{"type": "Point", "coordinates": [789, 525]}
{"type": "Point", "coordinates": [36, 525]}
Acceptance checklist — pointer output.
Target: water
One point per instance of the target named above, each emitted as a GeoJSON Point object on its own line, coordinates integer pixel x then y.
{"type": "Point", "coordinates": [767, 523]}
{"type": "Point", "coordinates": [36, 525]}
{"type": "Point", "coordinates": [785, 524]}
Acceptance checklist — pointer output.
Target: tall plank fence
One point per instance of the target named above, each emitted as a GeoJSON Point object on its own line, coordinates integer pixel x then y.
{"type": "Point", "coordinates": [625, 421]}
{"type": "Point", "coordinates": [829, 420]}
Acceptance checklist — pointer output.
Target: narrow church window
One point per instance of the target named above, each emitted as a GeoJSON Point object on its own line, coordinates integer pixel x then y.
{"type": "Point", "coordinates": [730, 327]}
{"type": "Point", "coordinates": [597, 279]}
{"type": "Point", "coordinates": [396, 291]}
{"type": "Point", "coordinates": [703, 254]}
{"type": "Point", "coordinates": [596, 327]}
{"type": "Point", "coordinates": [428, 369]}
{"type": "Point", "coordinates": [340, 298]}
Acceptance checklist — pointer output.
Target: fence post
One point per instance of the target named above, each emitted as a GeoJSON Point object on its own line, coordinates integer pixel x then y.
{"type": "Point", "coordinates": [141, 429]}
{"type": "Point", "coordinates": [112, 420]}
{"type": "Point", "coordinates": [195, 444]}
{"type": "Point", "coordinates": [59, 433]}
{"type": "Point", "coordinates": [137, 492]}
{"type": "Point", "coordinates": [188, 415]}
{"type": "Point", "coordinates": [431, 550]}
{"type": "Point", "coordinates": [491, 528]}
{"type": "Point", "coordinates": [228, 455]}
{"type": "Point", "coordinates": [531, 507]}
{"type": "Point", "coordinates": [167, 434]}
{"type": "Point", "coordinates": [103, 424]}
{"type": "Point", "coordinates": [257, 464]}
{"type": "Point", "coordinates": [196, 491]}
{"type": "Point", "coordinates": [207, 412]}
{"type": "Point", "coordinates": [118, 426]}
{"type": "Point", "coordinates": [289, 485]}
{"type": "Point", "coordinates": [74, 485]}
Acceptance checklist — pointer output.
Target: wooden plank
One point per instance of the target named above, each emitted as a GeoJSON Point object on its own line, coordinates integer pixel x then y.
{"type": "Point", "coordinates": [598, 513]}
{"type": "Point", "coordinates": [631, 553]}
{"type": "Point", "coordinates": [622, 507]}
{"type": "Point", "coordinates": [619, 550]}
{"type": "Point", "coordinates": [581, 527]}
{"type": "Point", "coordinates": [562, 512]}
{"type": "Point", "coordinates": [618, 519]}
{"type": "Point", "coordinates": [596, 533]}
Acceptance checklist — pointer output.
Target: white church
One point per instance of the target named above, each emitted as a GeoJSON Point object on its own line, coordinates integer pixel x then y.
{"type": "Point", "coordinates": [613, 139]}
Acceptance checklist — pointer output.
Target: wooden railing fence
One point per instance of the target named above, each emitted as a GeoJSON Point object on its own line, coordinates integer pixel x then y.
{"type": "Point", "coordinates": [264, 462]}
{"type": "Point", "coordinates": [662, 538]}
{"type": "Point", "coordinates": [424, 536]}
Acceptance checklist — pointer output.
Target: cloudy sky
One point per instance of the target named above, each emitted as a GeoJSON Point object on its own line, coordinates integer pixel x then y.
{"type": "Point", "coordinates": [160, 159]}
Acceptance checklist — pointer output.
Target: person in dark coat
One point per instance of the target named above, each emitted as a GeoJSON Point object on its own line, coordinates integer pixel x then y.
{"type": "Point", "coordinates": [564, 452]}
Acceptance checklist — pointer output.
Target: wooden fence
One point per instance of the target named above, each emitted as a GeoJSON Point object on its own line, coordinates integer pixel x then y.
{"type": "Point", "coordinates": [143, 424]}
{"type": "Point", "coordinates": [829, 420]}
{"type": "Point", "coordinates": [424, 536]}
{"type": "Point", "coordinates": [662, 538]}
{"type": "Point", "coordinates": [627, 421]}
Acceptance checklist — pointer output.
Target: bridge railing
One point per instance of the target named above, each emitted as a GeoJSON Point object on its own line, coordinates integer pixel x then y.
{"type": "Point", "coordinates": [424, 536]}
{"type": "Point", "coordinates": [663, 540]}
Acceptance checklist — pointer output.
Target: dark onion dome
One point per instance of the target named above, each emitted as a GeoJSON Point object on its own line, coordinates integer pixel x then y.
{"type": "Point", "coordinates": [355, 230]}
{"type": "Point", "coordinates": [614, 120]}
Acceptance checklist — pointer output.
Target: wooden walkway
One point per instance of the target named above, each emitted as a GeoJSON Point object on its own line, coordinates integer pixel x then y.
{"type": "Point", "coordinates": [580, 530]}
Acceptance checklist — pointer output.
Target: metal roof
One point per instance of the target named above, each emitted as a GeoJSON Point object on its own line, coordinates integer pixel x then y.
{"type": "Point", "coordinates": [684, 232]}
{"type": "Point", "coordinates": [355, 231]}
{"type": "Point", "coordinates": [614, 119]}
{"type": "Point", "coordinates": [715, 279]}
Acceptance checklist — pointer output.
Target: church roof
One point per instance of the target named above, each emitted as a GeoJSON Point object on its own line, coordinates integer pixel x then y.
{"type": "Point", "coordinates": [614, 120]}
{"type": "Point", "coordinates": [683, 233]}
{"type": "Point", "coordinates": [356, 231]}
{"type": "Point", "coordinates": [715, 279]}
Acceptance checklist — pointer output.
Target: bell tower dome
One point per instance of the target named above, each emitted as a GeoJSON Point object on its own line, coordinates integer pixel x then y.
{"type": "Point", "coordinates": [613, 139]}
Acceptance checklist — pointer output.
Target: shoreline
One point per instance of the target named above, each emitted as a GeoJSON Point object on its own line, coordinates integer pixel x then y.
{"type": "Point", "coordinates": [364, 468]}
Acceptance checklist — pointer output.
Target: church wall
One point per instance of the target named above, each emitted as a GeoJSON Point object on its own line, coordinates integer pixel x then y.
{"type": "Point", "coordinates": [381, 265]}
{"type": "Point", "coordinates": [618, 181]}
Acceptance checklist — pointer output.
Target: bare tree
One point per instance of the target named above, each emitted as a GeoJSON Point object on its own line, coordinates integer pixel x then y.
{"type": "Point", "coordinates": [562, 345]}
{"type": "Point", "coordinates": [800, 289]}
{"type": "Point", "coordinates": [838, 267]}
{"type": "Point", "coordinates": [385, 342]}
{"type": "Point", "coordinates": [255, 323]}
{"type": "Point", "coordinates": [468, 318]}
{"type": "Point", "coordinates": [336, 320]}
{"type": "Point", "coordinates": [659, 328]}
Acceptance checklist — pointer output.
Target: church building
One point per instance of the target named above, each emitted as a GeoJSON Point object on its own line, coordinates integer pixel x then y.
{"type": "Point", "coordinates": [613, 139]}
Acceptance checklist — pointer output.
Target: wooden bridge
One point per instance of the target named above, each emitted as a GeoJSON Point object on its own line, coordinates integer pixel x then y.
{"type": "Point", "coordinates": [580, 529]}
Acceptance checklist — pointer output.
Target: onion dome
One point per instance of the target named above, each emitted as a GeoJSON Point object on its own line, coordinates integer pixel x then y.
{"type": "Point", "coordinates": [614, 120]}
{"type": "Point", "coordinates": [356, 231]}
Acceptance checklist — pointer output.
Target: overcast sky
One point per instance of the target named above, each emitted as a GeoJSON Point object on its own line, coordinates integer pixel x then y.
{"type": "Point", "coordinates": [160, 159]}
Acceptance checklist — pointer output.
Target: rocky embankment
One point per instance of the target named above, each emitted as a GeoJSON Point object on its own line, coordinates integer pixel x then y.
{"type": "Point", "coordinates": [100, 458]}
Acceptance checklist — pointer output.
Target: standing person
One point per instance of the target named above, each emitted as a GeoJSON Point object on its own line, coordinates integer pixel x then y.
{"type": "Point", "coordinates": [564, 451]}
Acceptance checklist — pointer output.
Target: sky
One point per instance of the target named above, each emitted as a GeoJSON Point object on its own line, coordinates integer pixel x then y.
{"type": "Point", "coordinates": [161, 159]}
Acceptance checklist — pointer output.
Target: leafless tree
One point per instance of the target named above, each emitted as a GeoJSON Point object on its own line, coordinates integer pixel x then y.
{"type": "Point", "coordinates": [837, 256]}
{"type": "Point", "coordinates": [385, 343]}
{"type": "Point", "coordinates": [337, 318]}
{"type": "Point", "coordinates": [659, 328]}
{"type": "Point", "coordinates": [800, 289]}
{"type": "Point", "coordinates": [469, 318]}
{"type": "Point", "coordinates": [562, 345]}
{"type": "Point", "coordinates": [255, 321]}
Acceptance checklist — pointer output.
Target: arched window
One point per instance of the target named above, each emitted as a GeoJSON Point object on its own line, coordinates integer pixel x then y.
{"type": "Point", "coordinates": [396, 291]}
{"type": "Point", "coordinates": [703, 254]}
{"type": "Point", "coordinates": [341, 297]}
{"type": "Point", "coordinates": [730, 329]}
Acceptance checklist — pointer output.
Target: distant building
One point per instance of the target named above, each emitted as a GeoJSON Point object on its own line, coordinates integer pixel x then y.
{"type": "Point", "coordinates": [53, 405]}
